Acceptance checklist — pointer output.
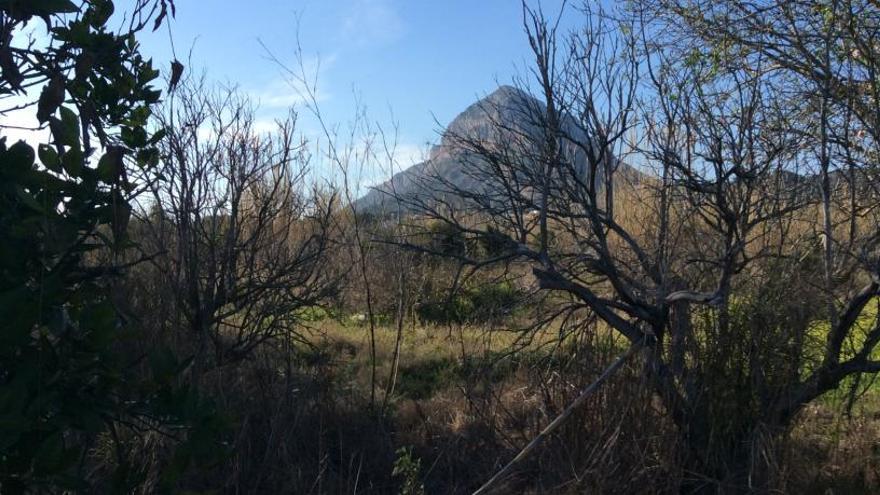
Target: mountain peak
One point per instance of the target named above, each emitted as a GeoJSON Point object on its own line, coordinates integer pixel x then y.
{"type": "Point", "coordinates": [506, 92]}
{"type": "Point", "coordinates": [506, 104]}
{"type": "Point", "coordinates": [504, 99]}
{"type": "Point", "coordinates": [493, 120]}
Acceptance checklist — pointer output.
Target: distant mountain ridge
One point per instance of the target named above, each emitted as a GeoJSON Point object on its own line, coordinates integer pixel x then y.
{"type": "Point", "coordinates": [507, 107]}
{"type": "Point", "coordinates": [450, 169]}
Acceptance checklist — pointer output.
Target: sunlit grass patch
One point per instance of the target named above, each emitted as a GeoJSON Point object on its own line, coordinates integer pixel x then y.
{"type": "Point", "coordinates": [861, 386]}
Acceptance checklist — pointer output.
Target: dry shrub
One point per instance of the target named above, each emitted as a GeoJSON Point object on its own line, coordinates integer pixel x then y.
{"type": "Point", "coordinates": [828, 453]}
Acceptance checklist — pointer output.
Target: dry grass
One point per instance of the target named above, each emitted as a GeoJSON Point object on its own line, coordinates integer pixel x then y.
{"type": "Point", "coordinates": [465, 407]}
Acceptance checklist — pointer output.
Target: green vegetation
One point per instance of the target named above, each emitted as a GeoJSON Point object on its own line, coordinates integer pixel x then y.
{"type": "Point", "coordinates": [480, 304]}
{"type": "Point", "coordinates": [183, 311]}
{"type": "Point", "coordinates": [66, 380]}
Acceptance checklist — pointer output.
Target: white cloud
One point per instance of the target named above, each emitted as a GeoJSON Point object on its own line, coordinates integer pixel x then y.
{"type": "Point", "coordinates": [289, 91]}
{"type": "Point", "coordinates": [282, 94]}
{"type": "Point", "coordinates": [407, 155]}
{"type": "Point", "coordinates": [372, 22]}
{"type": "Point", "coordinates": [379, 165]}
{"type": "Point", "coordinates": [21, 123]}
{"type": "Point", "coordinates": [264, 126]}
{"type": "Point", "coordinates": [17, 126]}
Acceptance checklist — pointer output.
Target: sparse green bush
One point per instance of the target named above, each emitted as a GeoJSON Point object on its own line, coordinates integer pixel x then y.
{"type": "Point", "coordinates": [480, 304]}
{"type": "Point", "coordinates": [423, 379]}
{"type": "Point", "coordinates": [408, 468]}
{"type": "Point", "coordinates": [439, 311]}
{"type": "Point", "coordinates": [313, 314]}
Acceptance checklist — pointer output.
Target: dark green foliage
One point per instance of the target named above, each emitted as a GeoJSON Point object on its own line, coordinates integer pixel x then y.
{"type": "Point", "coordinates": [446, 240]}
{"type": "Point", "coordinates": [408, 469]}
{"type": "Point", "coordinates": [492, 300]}
{"type": "Point", "coordinates": [481, 304]}
{"type": "Point", "coordinates": [424, 379]}
{"type": "Point", "coordinates": [495, 243]}
{"type": "Point", "coordinates": [63, 378]}
{"type": "Point", "coordinates": [445, 310]}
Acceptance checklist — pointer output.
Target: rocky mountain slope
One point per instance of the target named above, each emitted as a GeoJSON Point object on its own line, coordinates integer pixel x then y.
{"type": "Point", "coordinates": [505, 116]}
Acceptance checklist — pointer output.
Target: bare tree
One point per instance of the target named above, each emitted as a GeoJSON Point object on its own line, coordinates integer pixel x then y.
{"type": "Point", "coordinates": [363, 146]}
{"type": "Point", "coordinates": [243, 235]}
{"type": "Point", "coordinates": [671, 185]}
{"type": "Point", "coordinates": [819, 61]}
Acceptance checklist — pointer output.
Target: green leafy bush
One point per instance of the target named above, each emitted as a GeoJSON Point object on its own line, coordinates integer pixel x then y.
{"type": "Point", "coordinates": [64, 209]}
{"type": "Point", "coordinates": [408, 468]}
{"type": "Point", "coordinates": [480, 304]}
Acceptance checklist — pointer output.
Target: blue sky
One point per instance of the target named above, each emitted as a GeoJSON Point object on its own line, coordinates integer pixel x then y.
{"type": "Point", "coordinates": [414, 59]}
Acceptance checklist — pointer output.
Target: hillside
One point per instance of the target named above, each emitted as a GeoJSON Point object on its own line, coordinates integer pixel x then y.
{"type": "Point", "coordinates": [508, 118]}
